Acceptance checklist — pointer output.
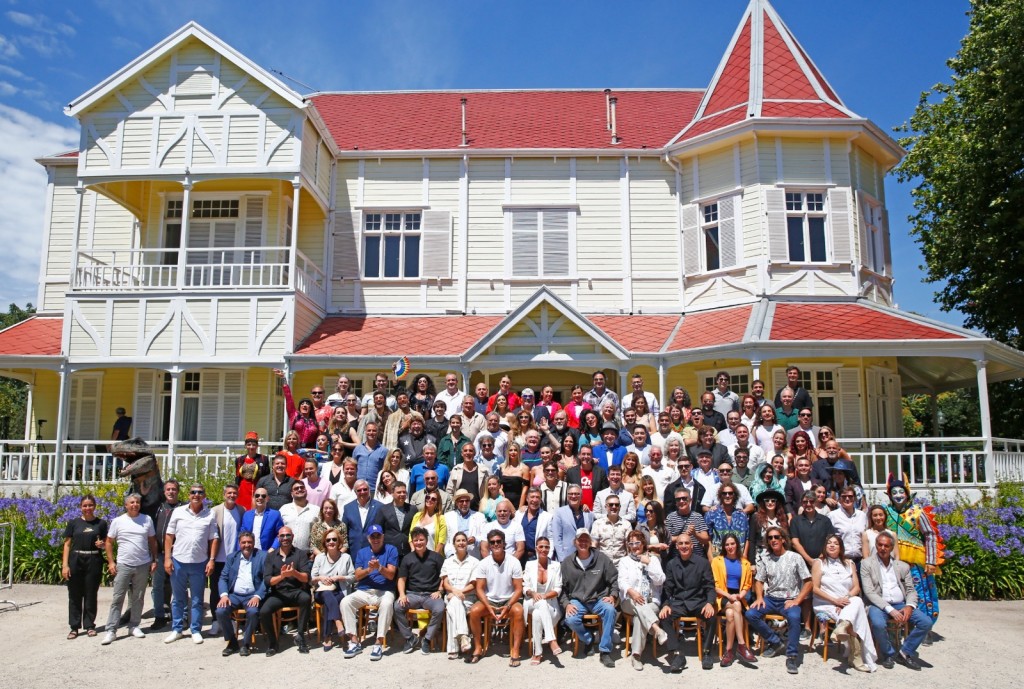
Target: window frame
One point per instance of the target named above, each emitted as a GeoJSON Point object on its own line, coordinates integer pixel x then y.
{"type": "Point", "coordinates": [805, 214]}
{"type": "Point", "coordinates": [707, 225]}
{"type": "Point", "coordinates": [541, 232]}
{"type": "Point", "coordinates": [871, 211]}
{"type": "Point", "coordinates": [383, 233]}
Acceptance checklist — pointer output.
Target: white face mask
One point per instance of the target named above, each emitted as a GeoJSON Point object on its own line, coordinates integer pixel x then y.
{"type": "Point", "coordinates": [898, 495]}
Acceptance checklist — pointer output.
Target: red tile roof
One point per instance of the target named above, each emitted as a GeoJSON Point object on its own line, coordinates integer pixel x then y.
{"type": "Point", "coordinates": [783, 77]}
{"type": "Point", "coordinates": [710, 124]}
{"type": "Point", "coordinates": [637, 333]}
{"type": "Point", "coordinates": [32, 337]}
{"type": "Point", "coordinates": [792, 109]}
{"type": "Point", "coordinates": [849, 322]}
{"type": "Point", "coordinates": [396, 336]}
{"type": "Point", "coordinates": [710, 328]}
{"type": "Point", "coordinates": [733, 85]}
{"type": "Point", "coordinates": [503, 119]}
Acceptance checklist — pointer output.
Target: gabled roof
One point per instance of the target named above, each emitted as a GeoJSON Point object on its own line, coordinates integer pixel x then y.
{"type": "Point", "coordinates": [167, 46]}
{"type": "Point", "coordinates": [765, 73]}
{"type": "Point", "coordinates": [391, 336]}
{"type": "Point", "coordinates": [35, 336]}
{"type": "Point", "coordinates": [556, 119]}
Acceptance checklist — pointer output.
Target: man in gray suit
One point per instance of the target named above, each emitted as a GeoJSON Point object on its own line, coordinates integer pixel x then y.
{"type": "Point", "coordinates": [889, 587]}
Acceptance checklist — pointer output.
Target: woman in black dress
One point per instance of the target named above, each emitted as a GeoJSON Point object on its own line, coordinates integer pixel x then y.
{"type": "Point", "coordinates": [82, 566]}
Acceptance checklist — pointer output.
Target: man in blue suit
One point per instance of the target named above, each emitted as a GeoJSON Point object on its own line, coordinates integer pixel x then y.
{"type": "Point", "coordinates": [566, 520]}
{"type": "Point", "coordinates": [359, 515]}
{"type": "Point", "coordinates": [242, 586]}
{"type": "Point", "coordinates": [262, 521]}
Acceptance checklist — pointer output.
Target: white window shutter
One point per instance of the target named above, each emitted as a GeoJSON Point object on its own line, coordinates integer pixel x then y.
{"type": "Point", "coordinates": [895, 404]}
{"type": "Point", "coordinates": [556, 242]}
{"type": "Point", "coordinates": [839, 216]}
{"type": "Point", "coordinates": [224, 237]}
{"type": "Point", "coordinates": [886, 244]}
{"type": "Point", "coordinates": [778, 238]}
{"type": "Point", "coordinates": [728, 224]}
{"type": "Point", "coordinates": [210, 406]}
{"type": "Point", "coordinates": [253, 229]}
{"type": "Point", "coordinates": [691, 239]}
{"type": "Point", "coordinates": [525, 250]}
{"type": "Point", "coordinates": [231, 405]}
{"type": "Point", "coordinates": [863, 235]}
{"type": "Point", "coordinates": [199, 233]}
{"type": "Point", "coordinates": [778, 382]}
{"type": "Point", "coordinates": [436, 232]}
{"type": "Point", "coordinates": [851, 414]}
{"type": "Point", "coordinates": [84, 417]}
{"type": "Point", "coordinates": [145, 403]}
{"type": "Point", "coordinates": [346, 236]}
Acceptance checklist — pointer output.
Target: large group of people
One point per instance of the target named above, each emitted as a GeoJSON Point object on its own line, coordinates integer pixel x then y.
{"type": "Point", "coordinates": [412, 512]}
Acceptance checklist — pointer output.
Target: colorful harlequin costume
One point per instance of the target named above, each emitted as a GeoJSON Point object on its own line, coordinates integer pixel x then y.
{"type": "Point", "coordinates": [918, 541]}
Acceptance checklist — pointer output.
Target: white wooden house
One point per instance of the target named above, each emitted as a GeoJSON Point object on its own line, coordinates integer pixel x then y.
{"type": "Point", "coordinates": [214, 224]}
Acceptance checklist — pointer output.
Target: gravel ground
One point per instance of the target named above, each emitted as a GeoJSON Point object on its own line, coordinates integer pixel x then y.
{"type": "Point", "coordinates": [977, 640]}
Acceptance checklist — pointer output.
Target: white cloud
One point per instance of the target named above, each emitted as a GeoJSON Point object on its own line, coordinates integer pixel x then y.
{"type": "Point", "coordinates": [7, 48]}
{"type": "Point", "coordinates": [7, 89]}
{"type": "Point", "coordinates": [24, 137]}
{"type": "Point", "coordinates": [43, 35]}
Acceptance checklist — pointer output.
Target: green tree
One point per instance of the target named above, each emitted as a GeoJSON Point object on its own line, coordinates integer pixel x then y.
{"type": "Point", "coordinates": [13, 393]}
{"type": "Point", "coordinates": [966, 155]}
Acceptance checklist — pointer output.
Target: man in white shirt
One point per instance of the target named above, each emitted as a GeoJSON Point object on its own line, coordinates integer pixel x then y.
{"type": "Point", "coordinates": [755, 453]}
{"type": "Point", "coordinates": [464, 519]}
{"type": "Point", "coordinates": [499, 592]}
{"type": "Point", "coordinates": [638, 389]}
{"type": "Point", "coordinates": [136, 559]}
{"type": "Point", "coordinates": [298, 515]}
{"type": "Point", "coordinates": [704, 472]}
{"type": "Point", "coordinates": [515, 538]}
{"type": "Point", "coordinates": [618, 489]}
{"type": "Point", "coordinates": [743, 499]}
{"type": "Point", "coordinates": [805, 423]}
{"type": "Point", "coordinates": [451, 395]}
{"type": "Point", "coordinates": [493, 431]}
{"type": "Point", "coordinates": [725, 399]}
{"type": "Point", "coordinates": [609, 531]}
{"type": "Point", "coordinates": [665, 432]}
{"type": "Point", "coordinates": [343, 492]}
{"type": "Point", "coordinates": [190, 551]}
{"type": "Point", "coordinates": [380, 383]}
{"type": "Point", "coordinates": [228, 517]}
{"type": "Point", "coordinates": [640, 446]}
{"type": "Point", "coordinates": [850, 523]}
{"type": "Point", "coordinates": [660, 473]}
{"type": "Point", "coordinates": [728, 436]}
{"type": "Point", "coordinates": [340, 394]}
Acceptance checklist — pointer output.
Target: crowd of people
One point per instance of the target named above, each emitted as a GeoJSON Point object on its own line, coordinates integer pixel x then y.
{"type": "Point", "coordinates": [422, 513]}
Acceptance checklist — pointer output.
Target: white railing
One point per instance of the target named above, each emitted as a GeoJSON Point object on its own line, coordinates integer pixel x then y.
{"type": "Point", "coordinates": [157, 269]}
{"type": "Point", "coordinates": [927, 462]}
{"type": "Point", "coordinates": [131, 269]}
{"type": "Point", "coordinates": [310, 280]}
{"type": "Point", "coordinates": [35, 462]}
{"type": "Point", "coordinates": [1007, 459]}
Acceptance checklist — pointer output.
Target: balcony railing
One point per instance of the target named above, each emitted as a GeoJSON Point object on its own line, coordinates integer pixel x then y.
{"type": "Point", "coordinates": [310, 280]}
{"type": "Point", "coordinates": [930, 463]}
{"type": "Point", "coordinates": [158, 269]}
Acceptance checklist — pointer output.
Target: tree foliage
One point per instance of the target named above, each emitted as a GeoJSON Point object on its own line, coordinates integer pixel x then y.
{"type": "Point", "coordinates": [966, 154]}
{"type": "Point", "coordinates": [13, 393]}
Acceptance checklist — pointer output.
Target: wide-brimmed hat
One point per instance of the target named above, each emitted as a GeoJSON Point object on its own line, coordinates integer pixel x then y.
{"type": "Point", "coordinates": [771, 493]}
{"type": "Point", "coordinates": [843, 466]}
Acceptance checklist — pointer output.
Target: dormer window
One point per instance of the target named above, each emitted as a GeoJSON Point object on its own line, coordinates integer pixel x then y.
{"type": "Point", "coordinates": [805, 227]}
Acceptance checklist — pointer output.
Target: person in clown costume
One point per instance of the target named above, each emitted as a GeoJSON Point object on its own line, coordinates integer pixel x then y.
{"type": "Point", "coordinates": [918, 541]}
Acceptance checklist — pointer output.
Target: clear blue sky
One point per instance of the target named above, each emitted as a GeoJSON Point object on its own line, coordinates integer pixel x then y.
{"type": "Point", "coordinates": [878, 54]}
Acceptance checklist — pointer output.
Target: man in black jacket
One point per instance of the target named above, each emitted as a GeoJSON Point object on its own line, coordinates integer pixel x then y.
{"type": "Point", "coordinates": [590, 585]}
{"type": "Point", "coordinates": [687, 481]}
{"type": "Point", "coordinates": [396, 519]}
{"type": "Point", "coordinates": [689, 591]}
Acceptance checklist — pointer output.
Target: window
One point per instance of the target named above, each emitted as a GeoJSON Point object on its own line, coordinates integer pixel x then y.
{"type": "Point", "coordinates": [738, 382]}
{"type": "Point", "coordinates": [217, 228]}
{"type": "Point", "coordinates": [540, 242]}
{"type": "Point", "coordinates": [84, 407]}
{"type": "Point", "coordinates": [712, 245]}
{"type": "Point", "coordinates": [874, 239]}
{"type": "Point", "coordinates": [391, 245]}
{"type": "Point", "coordinates": [805, 227]}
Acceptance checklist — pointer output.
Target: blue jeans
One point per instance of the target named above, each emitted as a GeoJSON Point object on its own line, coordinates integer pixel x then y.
{"type": "Point", "coordinates": [597, 607]}
{"type": "Point", "coordinates": [777, 606]}
{"type": "Point", "coordinates": [193, 577]}
{"type": "Point", "coordinates": [920, 625]}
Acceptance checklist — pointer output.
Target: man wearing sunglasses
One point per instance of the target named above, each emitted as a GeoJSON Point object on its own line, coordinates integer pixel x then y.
{"type": "Point", "coordinates": [499, 592]}
{"type": "Point", "coordinates": [190, 551]}
{"type": "Point", "coordinates": [781, 585]}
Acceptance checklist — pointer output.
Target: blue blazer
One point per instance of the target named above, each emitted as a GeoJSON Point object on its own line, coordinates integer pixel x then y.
{"type": "Point", "coordinates": [272, 523]}
{"type": "Point", "coordinates": [356, 531]}
{"type": "Point", "coordinates": [563, 530]}
{"type": "Point", "coordinates": [230, 573]}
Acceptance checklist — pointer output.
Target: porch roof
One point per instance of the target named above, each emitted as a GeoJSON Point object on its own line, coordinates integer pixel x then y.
{"type": "Point", "coordinates": [37, 336]}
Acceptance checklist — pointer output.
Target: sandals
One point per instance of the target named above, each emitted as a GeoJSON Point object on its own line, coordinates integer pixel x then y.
{"type": "Point", "coordinates": [453, 656]}
{"type": "Point", "coordinates": [474, 659]}
{"type": "Point", "coordinates": [90, 633]}
{"type": "Point", "coordinates": [73, 634]}
{"type": "Point", "coordinates": [513, 662]}
{"type": "Point", "coordinates": [536, 660]}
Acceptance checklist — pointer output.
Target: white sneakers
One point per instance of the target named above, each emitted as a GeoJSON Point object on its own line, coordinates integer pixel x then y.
{"type": "Point", "coordinates": [108, 638]}
{"type": "Point", "coordinates": [172, 637]}
{"type": "Point", "coordinates": [197, 638]}
{"type": "Point", "coordinates": [138, 633]}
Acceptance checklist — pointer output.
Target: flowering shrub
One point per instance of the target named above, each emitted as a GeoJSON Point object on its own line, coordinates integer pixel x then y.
{"type": "Point", "coordinates": [39, 525]}
{"type": "Point", "coordinates": [984, 547]}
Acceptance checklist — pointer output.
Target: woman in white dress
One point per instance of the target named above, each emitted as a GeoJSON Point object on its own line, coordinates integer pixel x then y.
{"type": "Point", "coordinates": [877, 517]}
{"type": "Point", "coordinates": [836, 597]}
{"type": "Point", "coordinates": [640, 580]}
{"type": "Point", "coordinates": [542, 582]}
{"type": "Point", "coordinates": [332, 573]}
{"type": "Point", "coordinates": [459, 594]}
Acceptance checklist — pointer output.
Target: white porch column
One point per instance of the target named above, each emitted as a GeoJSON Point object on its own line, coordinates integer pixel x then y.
{"type": "Point", "coordinates": [466, 374]}
{"type": "Point", "coordinates": [986, 416]}
{"type": "Point", "coordinates": [28, 411]}
{"type": "Point", "coordinates": [933, 410]}
{"type": "Point", "coordinates": [623, 385]}
{"type": "Point", "coordinates": [755, 364]}
{"type": "Point", "coordinates": [62, 424]}
{"type": "Point", "coordinates": [186, 220]}
{"type": "Point", "coordinates": [661, 384]}
{"type": "Point", "coordinates": [174, 423]}
{"type": "Point", "coordinates": [293, 250]}
{"type": "Point", "coordinates": [80, 198]}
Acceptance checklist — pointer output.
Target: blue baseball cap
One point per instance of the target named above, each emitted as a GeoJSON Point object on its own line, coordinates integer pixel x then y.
{"type": "Point", "coordinates": [375, 529]}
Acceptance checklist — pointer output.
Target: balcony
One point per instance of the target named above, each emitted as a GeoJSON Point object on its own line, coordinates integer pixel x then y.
{"type": "Point", "coordinates": [218, 269]}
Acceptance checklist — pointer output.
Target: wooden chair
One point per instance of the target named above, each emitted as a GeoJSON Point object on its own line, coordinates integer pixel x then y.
{"type": "Point", "coordinates": [289, 614]}
{"type": "Point", "coordinates": [363, 624]}
{"type": "Point", "coordinates": [826, 624]}
{"type": "Point", "coordinates": [413, 615]}
{"type": "Point", "coordinates": [769, 618]}
{"type": "Point", "coordinates": [719, 619]}
{"type": "Point", "coordinates": [590, 621]}
{"type": "Point", "coordinates": [318, 616]}
{"type": "Point", "coordinates": [238, 617]}
{"type": "Point", "coordinates": [490, 627]}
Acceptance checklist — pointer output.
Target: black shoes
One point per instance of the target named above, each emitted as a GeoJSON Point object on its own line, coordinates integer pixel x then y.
{"type": "Point", "coordinates": [909, 662]}
{"type": "Point", "coordinates": [887, 662]}
{"type": "Point", "coordinates": [678, 663]}
{"type": "Point", "coordinates": [410, 645]}
{"type": "Point", "coordinates": [244, 651]}
{"type": "Point", "coordinates": [606, 660]}
{"type": "Point", "coordinates": [791, 665]}
{"type": "Point", "coordinates": [774, 650]}
{"type": "Point", "coordinates": [271, 650]}
{"type": "Point", "coordinates": [230, 649]}
{"type": "Point", "coordinates": [707, 663]}
{"type": "Point", "coordinates": [158, 624]}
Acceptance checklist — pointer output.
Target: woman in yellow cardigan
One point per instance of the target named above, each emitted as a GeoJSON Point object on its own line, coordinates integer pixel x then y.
{"type": "Point", "coordinates": [431, 519]}
{"type": "Point", "coordinates": [733, 581]}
